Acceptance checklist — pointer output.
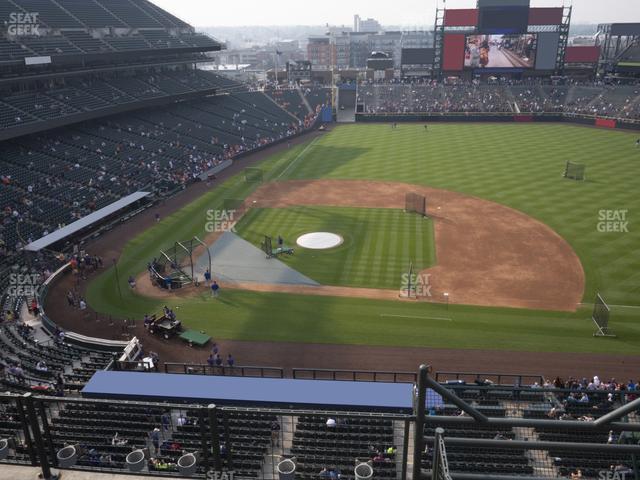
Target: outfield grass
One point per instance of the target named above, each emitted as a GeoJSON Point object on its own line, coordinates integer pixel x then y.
{"type": "Point", "coordinates": [518, 165]}
{"type": "Point", "coordinates": [378, 243]}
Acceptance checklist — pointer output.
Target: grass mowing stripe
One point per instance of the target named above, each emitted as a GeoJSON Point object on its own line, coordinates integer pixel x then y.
{"type": "Point", "coordinates": [300, 155]}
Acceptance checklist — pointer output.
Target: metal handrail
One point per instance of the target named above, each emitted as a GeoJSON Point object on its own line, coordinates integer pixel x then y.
{"type": "Point", "coordinates": [335, 373]}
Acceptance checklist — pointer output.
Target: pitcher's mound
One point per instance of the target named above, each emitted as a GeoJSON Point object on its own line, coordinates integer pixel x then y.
{"type": "Point", "coordinates": [319, 240]}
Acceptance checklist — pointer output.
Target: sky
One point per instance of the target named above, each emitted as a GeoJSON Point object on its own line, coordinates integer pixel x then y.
{"type": "Point", "coordinates": [206, 13]}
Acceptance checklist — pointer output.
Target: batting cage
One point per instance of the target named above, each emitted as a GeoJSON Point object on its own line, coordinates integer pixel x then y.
{"type": "Point", "coordinates": [176, 266]}
{"type": "Point", "coordinates": [253, 175]}
{"type": "Point", "coordinates": [575, 171]}
{"type": "Point", "coordinates": [600, 317]}
{"type": "Point", "coordinates": [415, 203]}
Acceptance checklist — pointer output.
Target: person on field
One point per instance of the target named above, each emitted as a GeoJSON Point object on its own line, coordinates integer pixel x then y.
{"type": "Point", "coordinates": [207, 277]}
{"type": "Point", "coordinates": [215, 289]}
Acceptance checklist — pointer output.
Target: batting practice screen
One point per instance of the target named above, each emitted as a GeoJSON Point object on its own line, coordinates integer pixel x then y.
{"type": "Point", "coordinates": [415, 203]}
{"type": "Point", "coordinates": [601, 314]}
{"type": "Point", "coordinates": [574, 171]}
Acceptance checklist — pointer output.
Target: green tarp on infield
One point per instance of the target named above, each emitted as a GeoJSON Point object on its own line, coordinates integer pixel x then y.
{"type": "Point", "coordinates": [195, 338]}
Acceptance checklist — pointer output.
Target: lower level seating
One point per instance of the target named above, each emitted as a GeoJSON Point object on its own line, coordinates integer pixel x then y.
{"type": "Point", "coordinates": [318, 446]}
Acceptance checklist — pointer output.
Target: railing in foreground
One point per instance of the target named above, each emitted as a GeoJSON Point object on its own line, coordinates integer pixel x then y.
{"type": "Point", "coordinates": [41, 430]}
{"type": "Point", "coordinates": [496, 378]}
{"type": "Point", "coordinates": [235, 371]}
{"type": "Point", "coordinates": [353, 375]}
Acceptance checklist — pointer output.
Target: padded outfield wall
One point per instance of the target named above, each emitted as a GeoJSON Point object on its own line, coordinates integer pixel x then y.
{"type": "Point", "coordinates": [505, 118]}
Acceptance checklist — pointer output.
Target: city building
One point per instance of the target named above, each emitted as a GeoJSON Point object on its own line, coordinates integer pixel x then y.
{"type": "Point", "coordinates": [369, 25]}
{"type": "Point", "coordinates": [320, 51]}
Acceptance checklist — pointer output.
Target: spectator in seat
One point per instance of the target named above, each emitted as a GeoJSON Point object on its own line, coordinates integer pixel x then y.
{"type": "Point", "coordinates": [165, 419]}
{"type": "Point", "coordinates": [34, 307]}
{"type": "Point", "coordinates": [275, 433]}
{"type": "Point", "coordinates": [41, 388]}
{"type": "Point", "coordinates": [182, 420]}
{"type": "Point", "coordinates": [155, 438]}
{"type": "Point", "coordinates": [331, 422]}
{"type": "Point", "coordinates": [116, 441]}
{"type": "Point", "coordinates": [379, 458]}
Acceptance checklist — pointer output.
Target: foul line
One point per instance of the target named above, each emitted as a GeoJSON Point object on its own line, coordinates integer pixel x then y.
{"type": "Point", "coordinates": [300, 155]}
{"type": "Point", "coordinates": [445, 319]}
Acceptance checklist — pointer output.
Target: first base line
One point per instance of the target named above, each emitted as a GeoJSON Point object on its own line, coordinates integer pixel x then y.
{"type": "Point", "coordinates": [300, 155]}
{"type": "Point", "coordinates": [444, 319]}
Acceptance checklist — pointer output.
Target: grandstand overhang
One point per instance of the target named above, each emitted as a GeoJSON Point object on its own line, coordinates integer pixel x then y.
{"type": "Point", "coordinates": [70, 60]}
{"type": "Point", "coordinates": [85, 222]}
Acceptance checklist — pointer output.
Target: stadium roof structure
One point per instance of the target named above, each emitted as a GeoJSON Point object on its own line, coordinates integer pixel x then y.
{"type": "Point", "coordinates": [84, 222]}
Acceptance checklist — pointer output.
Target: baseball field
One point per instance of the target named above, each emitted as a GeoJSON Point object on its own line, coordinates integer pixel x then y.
{"type": "Point", "coordinates": [521, 250]}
